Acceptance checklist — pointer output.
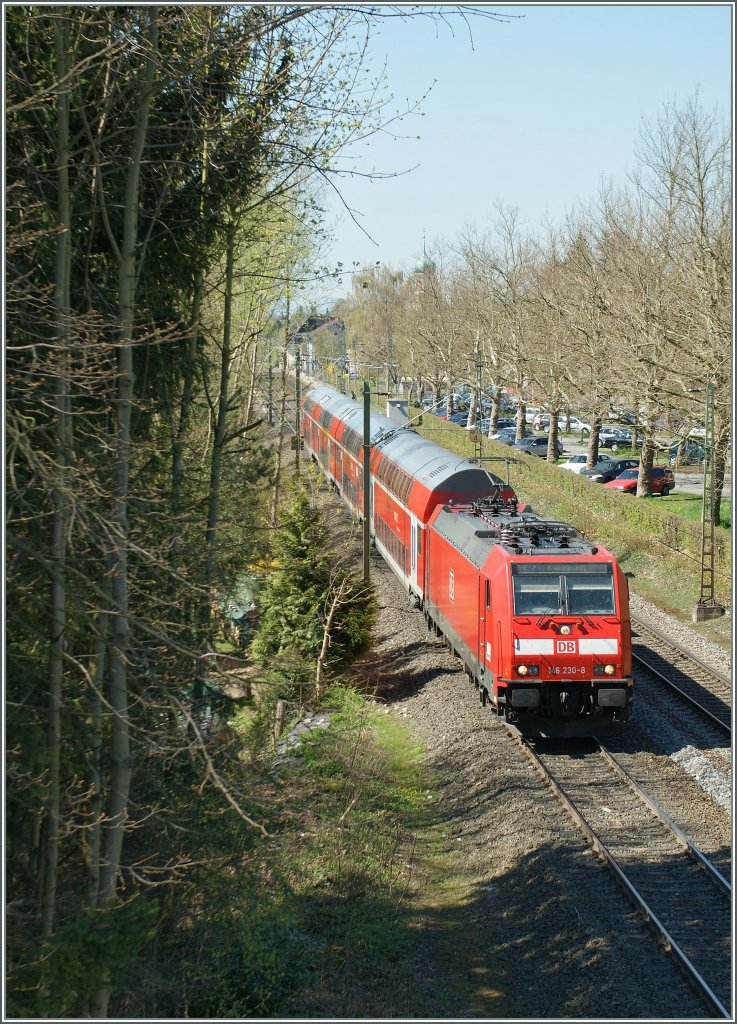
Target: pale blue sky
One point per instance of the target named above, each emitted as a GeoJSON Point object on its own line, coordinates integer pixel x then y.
{"type": "Point", "coordinates": [535, 111]}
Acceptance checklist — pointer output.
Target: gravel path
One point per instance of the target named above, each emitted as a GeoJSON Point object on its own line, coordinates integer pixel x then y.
{"type": "Point", "coordinates": [539, 928]}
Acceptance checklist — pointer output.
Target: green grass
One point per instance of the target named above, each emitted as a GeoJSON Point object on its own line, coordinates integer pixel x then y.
{"type": "Point", "coordinates": [689, 506]}
{"type": "Point", "coordinates": [289, 925]}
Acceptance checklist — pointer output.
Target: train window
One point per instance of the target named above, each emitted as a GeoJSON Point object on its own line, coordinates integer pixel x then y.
{"type": "Point", "coordinates": [538, 594]}
{"type": "Point", "coordinates": [419, 541]}
{"type": "Point", "coordinates": [590, 594]}
{"type": "Point", "coordinates": [488, 594]}
{"type": "Point", "coordinates": [563, 588]}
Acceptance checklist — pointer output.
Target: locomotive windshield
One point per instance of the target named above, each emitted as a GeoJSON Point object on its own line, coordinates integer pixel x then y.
{"type": "Point", "coordinates": [563, 588]}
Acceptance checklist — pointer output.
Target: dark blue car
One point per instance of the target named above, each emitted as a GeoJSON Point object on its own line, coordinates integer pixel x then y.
{"type": "Point", "coordinates": [537, 446]}
{"type": "Point", "coordinates": [691, 453]}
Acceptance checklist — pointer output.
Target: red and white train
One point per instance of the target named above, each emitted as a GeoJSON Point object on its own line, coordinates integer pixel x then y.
{"type": "Point", "coordinates": [538, 615]}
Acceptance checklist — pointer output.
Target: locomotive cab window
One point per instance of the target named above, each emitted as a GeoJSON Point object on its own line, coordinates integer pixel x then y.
{"type": "Point", "coordinates": [563, 588]}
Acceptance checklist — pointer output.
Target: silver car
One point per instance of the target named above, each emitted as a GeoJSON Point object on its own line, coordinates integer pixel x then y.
{"type": "Point", "coordinates": [577, 464]}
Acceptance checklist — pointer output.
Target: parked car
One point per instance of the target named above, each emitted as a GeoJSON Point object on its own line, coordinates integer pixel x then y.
{"type": "Point", "coordinates": [616, 438]}
{"type": "Point", "coordinates": [531, 411]}
{"type": "Point", "coordinates": [631, 439]}
{"type": "Point", "coordinates": [662, 481]}
{"type": "Point", "coordinates": [577, 425]}
{"type": "Point", "coordinates": [691, 453]}
{"type": "Point", "coordinates": [607, 469]}
{"type": "Point", "coordinates": [609, 434]}
{"type": "Point", "coordinates": [577, 463]}
{"type": "Point", "coordinates": [459, 418]}
{"type": "Point", "coordinates": [508, 435]}
{"type": "Point", "coordinates": [459, 404]}
{"type": "Point", "coordinates": [537, 446]}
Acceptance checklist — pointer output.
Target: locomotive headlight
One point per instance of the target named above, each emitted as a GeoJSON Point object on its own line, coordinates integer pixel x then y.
{"type": "Point", "coordinates": [565, 630]}
{"type": "Point", "coordinates": [522, 670]}
{"type": "Point", "coordinates": [609, 670]}
{"type": "Point", "coordinates": [528, 670]}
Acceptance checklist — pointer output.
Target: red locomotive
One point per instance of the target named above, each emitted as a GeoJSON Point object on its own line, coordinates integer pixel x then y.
{"type": "Point", "coordinates": [539, 616]}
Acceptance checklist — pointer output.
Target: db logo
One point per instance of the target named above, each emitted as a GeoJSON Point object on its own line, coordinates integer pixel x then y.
{"type": "Point", "coordinates": [565, 646]}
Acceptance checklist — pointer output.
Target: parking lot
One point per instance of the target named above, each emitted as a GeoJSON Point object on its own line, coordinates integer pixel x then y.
{"type": "Point", "coordinates": [690, 481]}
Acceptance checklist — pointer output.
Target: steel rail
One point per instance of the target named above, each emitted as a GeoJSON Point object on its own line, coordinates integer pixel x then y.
{"type": "Point", "coordinates": [694, 852]}
{"type": "Point", "coordinates": [646, 627]}
{"type": "Point", "coordinates": [681, 650]}
{"type": "Point", "coordinates": [724, 726]}
{"type": "Point", "coordinates": [651, 918]}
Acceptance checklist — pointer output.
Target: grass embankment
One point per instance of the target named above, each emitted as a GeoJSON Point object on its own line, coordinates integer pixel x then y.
{"type": "Point", "coordinates": [657, 539]}
{"type": "Point", "coordinates": [322, 912]}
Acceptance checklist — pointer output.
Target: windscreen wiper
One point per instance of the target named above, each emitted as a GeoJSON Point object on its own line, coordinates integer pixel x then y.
{"type": "Point", "coordinates": [553, 610]}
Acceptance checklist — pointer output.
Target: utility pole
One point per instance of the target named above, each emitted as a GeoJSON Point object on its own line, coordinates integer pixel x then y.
{"type": "Point", "coordinates": [366, 480]}
{"type": "Point", "coordinates": [478, 433]}
{"type": "Point", "coordinates": [389, 357]}
{"type": "Point", "coordinates": [707, 606]}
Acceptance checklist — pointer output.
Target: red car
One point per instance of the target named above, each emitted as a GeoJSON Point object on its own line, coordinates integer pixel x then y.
{"type": "Point", "coordinates": [662, 481]}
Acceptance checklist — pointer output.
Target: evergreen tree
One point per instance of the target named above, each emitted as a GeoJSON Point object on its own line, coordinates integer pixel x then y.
{"type": "Point", "coordinates": [297, 596]}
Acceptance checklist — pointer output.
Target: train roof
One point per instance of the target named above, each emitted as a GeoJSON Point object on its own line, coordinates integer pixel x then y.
{"type": "Point", "coordinates": [474, 529]}
{"type": "Point", "coordinates": [424, 460]}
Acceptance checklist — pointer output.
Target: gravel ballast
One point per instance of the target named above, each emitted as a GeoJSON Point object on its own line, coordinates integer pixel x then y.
{"type": "Point", "coordinates": [542, 930]}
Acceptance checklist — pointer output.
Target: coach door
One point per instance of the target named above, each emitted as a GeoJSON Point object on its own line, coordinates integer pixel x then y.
{"type": "Point", "coordinates": [484, 644]}
{"type": "Point", "coordinates": [415, 540]}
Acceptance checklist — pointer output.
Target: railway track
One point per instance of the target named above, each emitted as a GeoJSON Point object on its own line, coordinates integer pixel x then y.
{"type": "Point", "coordinates": [685, 899]}
{"type": "Point", "coordinates": [700, 686]}
{"type": "Point", "coordinates": [677, 889]}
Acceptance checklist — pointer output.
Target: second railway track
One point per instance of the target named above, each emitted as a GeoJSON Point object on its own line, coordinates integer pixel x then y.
{"type": "Point", "coordinates": [682, 895]}
{"type": "Point", "coordinates": [702, 687]}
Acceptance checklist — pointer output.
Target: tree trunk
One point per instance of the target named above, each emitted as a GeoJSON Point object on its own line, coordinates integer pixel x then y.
{"type": "Point", "coordinates": [185, 410]}
{"type": "Point", "coordinates": [325, 647]}
{"type": "Point", "coordinates": [97, 669]}
{"type": "Point", "coordinates": [121, 765]}
{"type": "Point", "coordinates": [185, 407]}
{"type": "Point", "coordinates": [50, 855]}
{"type": "Point", "coordinates": [592, 453]}
{"type": "Point", "coordinates": [647, 457]}
{"type": "Point", "coordinates": [252, 382]}
{"type": "Point", "coordinates": [213, 511]}
{"type": "Point", "coordinates": [282, 423]}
